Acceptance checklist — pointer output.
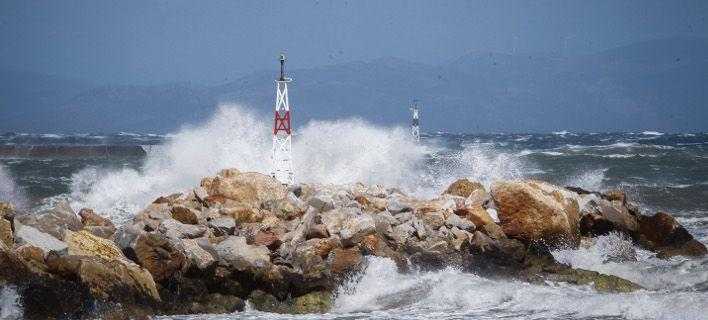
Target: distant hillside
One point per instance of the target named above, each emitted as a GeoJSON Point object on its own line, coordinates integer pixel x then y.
{"type": "Point", "coordinates": [658, 85]}
{"type": "Point", "coordinates": [26, 97]}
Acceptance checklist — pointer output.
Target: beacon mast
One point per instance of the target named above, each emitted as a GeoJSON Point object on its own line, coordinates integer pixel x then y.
{"type": "Point", "coordinates": [282, 132]}
{"type": "Point", "coordinates": [415, 126]}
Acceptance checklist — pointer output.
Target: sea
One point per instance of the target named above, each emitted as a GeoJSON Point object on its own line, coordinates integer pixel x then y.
{"type": "Point", "coordinates": [118, 174]}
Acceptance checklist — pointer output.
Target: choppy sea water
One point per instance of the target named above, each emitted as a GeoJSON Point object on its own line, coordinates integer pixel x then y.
{"type": "Point", "coordinates": [667, 172]}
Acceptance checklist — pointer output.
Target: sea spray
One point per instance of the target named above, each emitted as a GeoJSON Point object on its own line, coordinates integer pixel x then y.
{"type": "Point", "coordinates": [9, 191]}
{"type": "Point", "coordinates": [327, 152]}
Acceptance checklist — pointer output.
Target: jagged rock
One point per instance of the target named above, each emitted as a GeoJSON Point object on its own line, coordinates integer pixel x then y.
{"type": "Point", "coordinates": [177, 230]}
{"type": "Point", "coordinates": [91, 218]}
{"type": "Point", "coordinates": [662, 233]}
{"type": "Point", "coordinates": [419, 228]}
{"type": "Point", "coordinates": [216, 303]}
{"type": "Point", "coordinates": [333, 219]}
{"type": "Point", "coordinates": [537, 212]}
{"type": "Point", "coordinates": [155, 253]}
{"type": "Point", "coordinates": [196, 256]}
{"type": "Point", "coordinates": [395, 205]}
{"type": "Point", "coordinates": [463, 188]}
{"type": "Point", "coordinates": [496, 256]}
{"type": "Point", "coordinates": [435, 219]}
{"type": "Point", "coordinates": [317, 231]}
{"type": "Point", "coordinates": [267, 239]}
{"type": "Point", "coordinates": [243, 213]}
{"type": "Point", "coordinates": [478, 215]}
{"type": "Point", "coordinates": [223, 226]}
{"type": "Point", "coordinates": [248, 187]}
{"type": "Point", "coordinates": [322, 201]}
{"type": "Point", "coordinates": [313, 302]}
{"type": "Point", "coordinates": [616, 195]}
{"type": "Point", "coordinates": [371, 204]}
{"type": "Point", "coordinates": [478, 198]}
{"type": "Point", "coordinates": [345, 260]}
{"type": "Point", "coordinates": [7, 210]}
{"type": "Point", "coordinates": [355, 227]}
{"type": "Point", "coordinates": [235, 252]}
{"type": "Point", "coordinates": [453, 220]}
{"type": "Point", "coordinates": [263, 301]}
{"type": "Point", "coordinates": [284, 208]}
{"type": "Point", "coordinates": [601, 282]}
{"type": "Point", "coordinates": [6, 232]}
{"type": "Point", "coordinates": [184, 215]}
{"type": "Point", "coordinates": [607, 216]}
{"type": "Point", "coordinates": [96, 224]}
{"type": "Point", "coordinates": [53, 221]}
{"type": "Point", "coordinates": [29, 235]}
{"type": "Point", "coordinates": [102, 267]}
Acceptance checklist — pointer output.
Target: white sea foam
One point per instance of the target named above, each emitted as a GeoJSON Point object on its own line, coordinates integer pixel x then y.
{"type": "Point", "coordinates": [652, 133]}
{"type": "Point", "coordinates": [9, 191]}
{"type": "Point", "coordinates": [648, 271]}
{"type": "Point", "coordinates": [452, 293]}
{"type": "Point", "coordinates": [10, 307]}
{"type": "Point", "coordinates": [589, 180]}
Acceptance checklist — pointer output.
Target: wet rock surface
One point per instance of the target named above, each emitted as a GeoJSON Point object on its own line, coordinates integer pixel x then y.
{"type": "Point", "coordinates": [243, 237]}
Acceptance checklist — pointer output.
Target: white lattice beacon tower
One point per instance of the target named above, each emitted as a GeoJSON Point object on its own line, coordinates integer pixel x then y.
{"type": "Point", "coordinates": [282, 131]}
{"type": "Point", "coordinates": [415, 126]}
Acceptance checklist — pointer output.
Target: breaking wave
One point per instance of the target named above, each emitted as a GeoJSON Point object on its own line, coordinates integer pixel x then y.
{"type": "Point", "coordinates": [328, 152]}
{"type": "Point", "coordinates": [450, 293]}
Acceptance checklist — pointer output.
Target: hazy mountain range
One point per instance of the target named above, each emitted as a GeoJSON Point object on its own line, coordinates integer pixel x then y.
{"type": "Point", "coordinates": [655, 85]}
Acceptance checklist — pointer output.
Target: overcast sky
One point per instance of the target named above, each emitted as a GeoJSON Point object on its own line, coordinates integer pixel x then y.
{"type": "Point", "coordinates": [141, 42]}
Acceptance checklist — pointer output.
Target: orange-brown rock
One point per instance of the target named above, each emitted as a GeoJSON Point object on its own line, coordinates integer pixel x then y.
{"type": "Point", "coordinates": [534, 211]}
{"type": "Point", "coordinates": [91, 218]}
{"type": "Point", "coordinates": [479, 216]}
{"type": "Point", "coordinates": [463, 188]}
{"type": "Point", "coordinates": [184, 215]}
{"type": "Point", "coordinates": [156, 254]}
{"type": "Point", "coordinates": [663, 234]}
{"type": "Point", "coordinates": [268, 239]}
{"type": "Point", "coordinates": [6, 232]}
{"type": "Point", "coordinates": [345, 260]}
{"type": "Point", "coordinates": [247, 187]}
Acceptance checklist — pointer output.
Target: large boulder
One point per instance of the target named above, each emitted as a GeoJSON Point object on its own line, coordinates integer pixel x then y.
{"type": "Point", "coordinates": [96, 224]}
{"type": "Point", "coordinates": [244, 187]}
{"type": "Point", "coordinates": [100, 265]}
{"type": "Point", "coordinates": [44, 241]}
{"type": "Point", "coordinates": [236, 253]}
{"type": "Point", "coordinates": [537, 212]}
{"type": "Point", "coordinates": [463, 188]}
{"type": "Point", "coordinates": [157, 254]}
{"type": "Point", "coordinates": [602, 217]}
{"type": "Point", "coordinates": [53, 221]}
{"type": "Point", "coordinates": [663, 233]}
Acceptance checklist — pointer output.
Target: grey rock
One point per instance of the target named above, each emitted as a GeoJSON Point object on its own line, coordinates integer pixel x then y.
{"type": "Point", "coordinates": [395, 206]}
{"type": "Point", "coordinates": [308, 220]}
{"type": "Point", "coordinates": [29, 235]}
{"type": "Point", "coordinates": [54, 221]}
{"type": "Point", "coordinates": [355, 227]}
{"type": "Point", "coordinates": [235, 252]}
{"type": "Point", "coordinates": [454, 220]}
{"type": "Point", "coordinates": [419, 228]}
{"type": "Point", "coordinates": [223, 226]}
{"type": "Point", "coordinates": [177, 230]}
{"type": "Point", "coordinates": [321, 201]}
{"type": "Point", "coordinates": [196, 255]}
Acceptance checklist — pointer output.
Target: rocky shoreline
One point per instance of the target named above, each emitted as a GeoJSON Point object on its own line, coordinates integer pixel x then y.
{"type": "Point", "coordinates": [242, 236]}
